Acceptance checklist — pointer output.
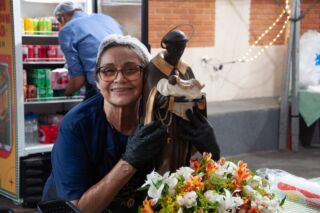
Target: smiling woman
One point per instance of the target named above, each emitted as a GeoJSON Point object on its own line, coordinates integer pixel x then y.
{"type": "Point", "coordinates": [102, 155]}
{"type": "Point", "coordinates": [124, 87]}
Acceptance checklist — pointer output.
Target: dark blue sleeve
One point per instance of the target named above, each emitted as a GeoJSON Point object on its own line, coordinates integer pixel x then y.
{"type": "Point", "coordinates": [71, 167]}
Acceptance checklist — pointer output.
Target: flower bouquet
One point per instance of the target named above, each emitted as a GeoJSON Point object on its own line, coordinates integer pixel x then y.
{"type": "Point", "coordinates": [209, 186]}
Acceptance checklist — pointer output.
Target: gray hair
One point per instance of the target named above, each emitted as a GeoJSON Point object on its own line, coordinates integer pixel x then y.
{"type": "Point", "coordinates": [115, 40]}
{"type": "Point", "coordinates": [66, 7]}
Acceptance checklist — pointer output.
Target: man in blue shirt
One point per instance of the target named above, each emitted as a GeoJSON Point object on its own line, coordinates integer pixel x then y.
{"type": "Point", "coordinates": [79, 39]}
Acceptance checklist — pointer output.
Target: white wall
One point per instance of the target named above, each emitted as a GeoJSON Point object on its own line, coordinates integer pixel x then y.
{"type": "Point", "coordinates": [260, 78]}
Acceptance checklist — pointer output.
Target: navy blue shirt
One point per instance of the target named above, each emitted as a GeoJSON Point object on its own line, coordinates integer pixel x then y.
{"type": "Point", "coordinates": [74, 155]}
{"type": "Point", "coordinates": [80, 39]}
{"type": "Point", "coordinates": [87, 148]}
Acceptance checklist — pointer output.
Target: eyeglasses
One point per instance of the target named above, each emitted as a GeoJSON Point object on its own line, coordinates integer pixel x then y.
{"type": "Point", "coordinates": [59, 19]}
{"type": "Point", "coordinates": [109, 73]}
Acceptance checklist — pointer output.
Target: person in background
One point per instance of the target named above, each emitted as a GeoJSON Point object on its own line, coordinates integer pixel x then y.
{"type": "Point", "coordinates": [79, 39]}
{"type": "Point", "coordinates": [102, 156]}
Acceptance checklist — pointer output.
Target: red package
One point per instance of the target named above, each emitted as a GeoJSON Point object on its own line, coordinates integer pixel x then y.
{"type": "Point", "coordinates": [48, 133]}
{"type": "Point", "coordinates": [44, 134]}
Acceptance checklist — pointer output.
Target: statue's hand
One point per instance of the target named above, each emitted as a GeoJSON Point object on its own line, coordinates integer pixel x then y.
{"type": "Point", "coordinates": [199, 133]}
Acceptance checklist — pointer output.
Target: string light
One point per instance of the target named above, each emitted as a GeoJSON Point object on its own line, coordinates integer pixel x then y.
{"type": "Point", "coordinates": [245, 58]}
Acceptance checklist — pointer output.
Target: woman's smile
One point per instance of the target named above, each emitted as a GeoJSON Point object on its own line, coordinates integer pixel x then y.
{"type": "Point", "coordinates": [121, 90]}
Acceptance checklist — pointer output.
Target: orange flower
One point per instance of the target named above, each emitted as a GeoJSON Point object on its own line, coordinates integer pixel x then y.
{"type": "Point", "coordinates": [245, 205]}
{"type": "Point", "coordinates": [211, 167]}
{"type": "Point", "coordinates": [236, 185]}
{"type": "Point", "coordinates": [147, 207]}
{"type": "Point", "coordinates": [254, 210]}
{"type": "Point", "coordinates": [242, 172]}
{"type": "Point", "coordinates": [193, 184]}
{"type": "Point", "coordinates": [206, 156]}
{"type": "Point", "coordinates": [195, 165]}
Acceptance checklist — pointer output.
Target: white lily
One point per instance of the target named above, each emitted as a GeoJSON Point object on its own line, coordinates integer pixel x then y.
{"type": "Point", "coordinates": [229, 204]}
{"type": "Point", "coordinates": [185, 172]}
{"type": "Point", "coordinates": [213, 197]}
{"type": "Point", "coordinates": [171, 182]}
{"type": "Point", "coordinates": [155, 193]}
{"type": "Point", "coordinates": [227, 168]}
{"type": "Point", "coordinates": [152, 179]}
{"type": "Point", "coordinates": [255, 181]}
{"type": "Point", "coordinates": [188, 200]}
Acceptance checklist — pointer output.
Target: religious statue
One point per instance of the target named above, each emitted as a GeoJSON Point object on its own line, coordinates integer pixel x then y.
{"type": "Point", "coordinates": [170, 89]}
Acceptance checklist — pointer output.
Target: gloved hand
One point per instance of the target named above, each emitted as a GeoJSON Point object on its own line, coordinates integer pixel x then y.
{"type": "Point", "coordinates": [144, 144]}
{"type": "Point", "coordinates": [199, 133]}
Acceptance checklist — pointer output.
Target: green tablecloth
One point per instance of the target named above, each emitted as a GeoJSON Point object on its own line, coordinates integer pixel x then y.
{"type": "Point", "coordinates": [299, 207]}
{"type": "Point", "coordinates": [309, 106]}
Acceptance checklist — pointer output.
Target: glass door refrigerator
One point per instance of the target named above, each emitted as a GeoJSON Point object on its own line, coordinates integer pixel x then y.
{"type": "Point", "coordinates": [24, 163]}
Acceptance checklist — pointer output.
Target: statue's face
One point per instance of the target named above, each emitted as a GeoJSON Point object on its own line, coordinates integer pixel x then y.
{"type": "Point", "coordinates": [175, 51]}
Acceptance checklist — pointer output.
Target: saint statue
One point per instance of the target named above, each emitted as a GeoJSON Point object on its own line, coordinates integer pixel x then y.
{"type": "Point", "coordinates": [171, 89]}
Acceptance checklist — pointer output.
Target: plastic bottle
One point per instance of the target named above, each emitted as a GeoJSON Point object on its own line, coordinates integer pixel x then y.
{"type": "Point", "coordinates": [28, 128]}
{"type": "Point", "coordinates": [35, 128]}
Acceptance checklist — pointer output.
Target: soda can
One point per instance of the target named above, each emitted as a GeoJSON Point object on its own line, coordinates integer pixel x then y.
{"type": "Point", "coordinates": [52, 52]}
{"type": "Point", "coordinates": [28, 26]}
{"type": "Point", "coordinates": [55, 25]}
{"type": "Point", "coordinates": [24, 52]}
{"type": "Point", "coordinates": [48, 26]}
{"type": "Point", "coordinates": [49, 93]}
{"type": "Point", "coordinates": [47, 78]}
{"type": "Point", "coordinates": [42, 92]}
{"type": "Point", "coordinates": [37, 49]}
{"type": "Point", "coordinates": [31, 51]}
{"type": "Point", "coordinates": [45, 134]}
{"type": "Point", "coordinates": [40, 77]}
{"type": "Point", "coordinates": [35, 26]}
{"type": "Point", "coordinates": [43, 52]}
{"type": "Point", "coordinates": [40, 26]}
{"type": "Point", "coordinates": [31, 91]}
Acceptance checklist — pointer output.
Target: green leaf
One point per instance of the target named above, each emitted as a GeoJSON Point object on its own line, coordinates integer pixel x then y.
{"type": "Point", "coordinates": [143, 188]}
{"type": "Point", "coordinates": [283, 200]}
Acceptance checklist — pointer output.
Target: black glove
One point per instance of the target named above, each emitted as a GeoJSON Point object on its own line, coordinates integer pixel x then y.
{"type": "Point", "coordinates": [199, 133]}
{"type": "Point", "coordinates": [144, 144]}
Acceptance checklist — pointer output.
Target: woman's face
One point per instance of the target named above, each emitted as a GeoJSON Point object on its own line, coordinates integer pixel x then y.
{"type": "Point", "coordinates": [120, 92]}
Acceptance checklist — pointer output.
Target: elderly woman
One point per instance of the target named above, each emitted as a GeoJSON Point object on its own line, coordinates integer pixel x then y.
{"type": "Point", "coordinates": [95, 164]}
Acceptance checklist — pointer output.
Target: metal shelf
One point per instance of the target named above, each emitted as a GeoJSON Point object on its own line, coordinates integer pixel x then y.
{"type": "Point", "coordinates": [40, 39]}
{"type": "Point", "coordinates": [53, 100]}
{"type": "Point", "coordinates": [62, 62]}
{"type": "Point", "coordinates": [37, 148]}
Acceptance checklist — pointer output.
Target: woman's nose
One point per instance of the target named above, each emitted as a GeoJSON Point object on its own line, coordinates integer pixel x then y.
{"type": "Point", "coordinates": [119, 77]}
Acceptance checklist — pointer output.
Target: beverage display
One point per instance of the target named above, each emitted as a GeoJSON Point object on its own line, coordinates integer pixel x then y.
{"type": "Point", "coordinates": [42, 53]}
{"type": "Point", "coordinates": [40, 26]}
{"type": "Point", "coordinates": [41, 129]}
